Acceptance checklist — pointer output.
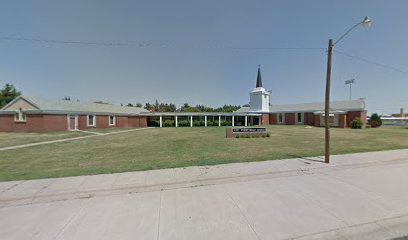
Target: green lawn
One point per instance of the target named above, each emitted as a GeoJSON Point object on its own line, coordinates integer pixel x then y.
{"type": "Point", "coordinates": [178, 147]}
{"type": "Point", "coordinates": [12, 139]}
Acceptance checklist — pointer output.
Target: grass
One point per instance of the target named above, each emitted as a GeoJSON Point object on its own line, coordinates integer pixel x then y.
{"type": "Point", "coordinates": [12, 139]}
{"type": "Point", "coordinates": [179, 147]}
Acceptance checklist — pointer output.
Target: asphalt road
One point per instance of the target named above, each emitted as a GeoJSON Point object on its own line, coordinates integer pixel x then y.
{"type": "Point", "coordinates": [357, 196]}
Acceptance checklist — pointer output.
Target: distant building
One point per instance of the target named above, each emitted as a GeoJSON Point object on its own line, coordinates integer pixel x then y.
{"type": "Point", "coordinates": [402, 114]}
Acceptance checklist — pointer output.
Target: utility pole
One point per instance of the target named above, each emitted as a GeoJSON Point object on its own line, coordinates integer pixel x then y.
{"type": "Point", "coordinates": [366, 23]}
{"type": "Point", "coordinates": [327, 103]}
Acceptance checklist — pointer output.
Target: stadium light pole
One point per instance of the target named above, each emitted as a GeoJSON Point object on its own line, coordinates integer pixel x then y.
{"type": "Point", "coordinates": [365, 23]}
{"type": "Point", "coordinates": [350, 82]}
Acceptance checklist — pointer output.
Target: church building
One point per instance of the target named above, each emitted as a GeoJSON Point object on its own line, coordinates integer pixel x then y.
{"type": "Point", "coordinates": [341, 115]}
{"type": "Point", "coordinates": [37, 114]}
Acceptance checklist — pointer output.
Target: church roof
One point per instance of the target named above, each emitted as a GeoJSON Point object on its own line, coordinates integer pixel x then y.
{"type": "Point", "coordinates": [41, 104]}
{"type": "Point", "coordinates": [348, 105]}
{"type": "Point", "coordinates": [259, 78]}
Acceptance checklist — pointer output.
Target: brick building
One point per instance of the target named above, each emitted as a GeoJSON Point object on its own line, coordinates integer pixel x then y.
{"type": "Point", "coordinates": [341, 115]}
{"type": "Point", "coordinates": [37, 114]}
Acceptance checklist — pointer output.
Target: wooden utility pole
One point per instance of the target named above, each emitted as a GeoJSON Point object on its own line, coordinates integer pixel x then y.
{"type": "Point", "coordinates": [327, 104]}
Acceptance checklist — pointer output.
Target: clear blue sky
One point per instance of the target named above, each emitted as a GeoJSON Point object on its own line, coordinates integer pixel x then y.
{"type": "Point", "coordinates": [191, 55]}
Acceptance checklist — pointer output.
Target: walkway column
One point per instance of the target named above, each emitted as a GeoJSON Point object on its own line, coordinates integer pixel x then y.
{"type": "Point", "coordinates": [191, 121]}
{"type": "Point", "coordinates": [161, 121]}
{"type": "Point", "coordinates": [233, 123]}
{"type": "Point", "coordinates": [176, 121]}
{"type": "Point", "coordinates": [205, 120]}
{"type": "Point", "coordinates": [219, 121]}
{"type": "Point", "coordinates": [246, 121]}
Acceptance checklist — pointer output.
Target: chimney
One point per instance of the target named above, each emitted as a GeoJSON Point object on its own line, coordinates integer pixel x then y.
{"type": "Point", "coordinates": [402, 112]}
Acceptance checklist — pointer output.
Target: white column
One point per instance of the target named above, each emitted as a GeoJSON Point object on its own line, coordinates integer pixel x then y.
{"type": "Point", "coordinates": [233, 123]}
{"type": "Point", "coordinates": [176, 121]}
{"type": "Point", "coordinates": [205, 120]}
{"type": "Point", "coordinates": [219, 121]}
{"type": "Point", "coordinates": [191, 121]}
{"type": "Point", "coordinates": [246, 121]}
{"type": "Point", "coordinates": [161, 121]}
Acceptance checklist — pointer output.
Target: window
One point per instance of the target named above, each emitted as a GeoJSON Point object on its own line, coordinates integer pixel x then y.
{"type": "Point", "coordinates": [299, 117]}
{"type": "Point", "coordinates": [20, 116]}
{"type": "Point", "coordinates": [112, 120]}
{"type": "Point", "coordinates": [331, 119]}
{"type": "Point", "coordinates": [91, 120]}
{"type": "Point", "coordinates": [281, 118]}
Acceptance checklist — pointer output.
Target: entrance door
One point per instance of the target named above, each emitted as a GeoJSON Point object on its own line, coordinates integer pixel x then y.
{"type": "Point", "coordinates": [72, 122]}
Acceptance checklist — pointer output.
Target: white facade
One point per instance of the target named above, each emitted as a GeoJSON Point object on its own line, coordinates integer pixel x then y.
{"type": "Point", "coordinates": [259, 100]}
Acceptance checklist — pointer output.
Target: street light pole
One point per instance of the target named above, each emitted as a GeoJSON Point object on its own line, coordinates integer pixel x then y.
{"type": "Point", "coordinates": [366, 23]}
{"type": "Point", "coordinates": [327, 103]}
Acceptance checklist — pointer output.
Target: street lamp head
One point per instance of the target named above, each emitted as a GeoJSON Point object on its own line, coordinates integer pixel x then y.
{"type": "Point", "coordinates": [366, 22]}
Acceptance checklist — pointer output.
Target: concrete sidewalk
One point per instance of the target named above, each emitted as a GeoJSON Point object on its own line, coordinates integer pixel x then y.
{"type": "Point", "coordinates": [361, 195]}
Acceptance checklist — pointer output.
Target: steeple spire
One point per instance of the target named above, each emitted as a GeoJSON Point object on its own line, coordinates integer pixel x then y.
{"type": "Point", "coordinates": [259, 78]}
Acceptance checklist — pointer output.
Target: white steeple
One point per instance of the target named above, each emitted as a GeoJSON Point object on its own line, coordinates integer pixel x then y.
{"type": "Point", "coordinates": [259, 97]}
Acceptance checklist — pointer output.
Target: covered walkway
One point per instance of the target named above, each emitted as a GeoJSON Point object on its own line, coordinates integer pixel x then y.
{"type": "Point", "coordinates": [204, 119]}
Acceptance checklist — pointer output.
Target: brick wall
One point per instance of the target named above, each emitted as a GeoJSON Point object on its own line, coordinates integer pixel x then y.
{"type": "Point", "coordinates": [353, 114]}
{"type": "Point", "coordinates": [265, 119]}
{"type": "Point", "coordinates": [316, 120]}
{"type": "Point", "coordinates": [273, 118]}
{"type": "Point", "coordinates": [34, 123]}
{"type": "Point", "coordinates": [122, 122]}
{"type": "Point", "coordinates": [309, 118]}
{"type": "Point", "coordinates": [143, 122]}
{"type": "Point", "coordinates": [102, 121]}
{"type": "Point", "coordinates": [290, 118]}
{"type": "Point", "coordinates": [342, 120]}
{"type": "Point", "coordinates": [82, 122]}
{"type": "Point", "coordinates": [134, 121]}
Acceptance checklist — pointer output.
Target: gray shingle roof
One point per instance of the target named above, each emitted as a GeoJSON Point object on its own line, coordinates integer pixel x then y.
{"type": "Point", "coordinates": [55, 105]}
{"type": "Point", "coordinates": [314, 107]}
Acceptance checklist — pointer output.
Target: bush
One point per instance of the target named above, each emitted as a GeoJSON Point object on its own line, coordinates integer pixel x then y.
{"type": "Point", "coordinates": [357, 123]}
{"type": "Point", "coordinates": [375, 120]}
{"type": "Point", "coordinates": [154, 123]}
{"type": "Point", "coordinates": [184, 123]}
{"type": "Point", "coordinates": [168, 123]}
{"type": "Point", "coordinates": [226, 123]}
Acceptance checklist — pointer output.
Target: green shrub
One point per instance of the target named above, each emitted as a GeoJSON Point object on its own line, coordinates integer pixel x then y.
{"type": "Point", "coordinates": [268, 135]}
{"type": "Point", "coordinates": [357, 123]}
{"type": "Point", "coordinates": [154, 123]}
{"type": "Point", "coordinates": [168, 123]}
{"type": "Point", "coordinates": [184, 123]}
{"type": "Point", "coordinates": [375, 120]}
{"type": "Point", "coordinates": [226, 123]}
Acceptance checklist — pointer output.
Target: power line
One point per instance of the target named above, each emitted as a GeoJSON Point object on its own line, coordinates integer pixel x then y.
{"type": "Point", "coordinates": [370, 61]}
{"type": "Point", "coordinates": [144, 45]}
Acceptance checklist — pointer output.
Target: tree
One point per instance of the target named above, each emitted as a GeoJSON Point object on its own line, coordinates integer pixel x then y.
{"type": "Point", "coordinates": [139, 105]}
{"type": "Point", "coordinates": [129, 105]}
{"type": "Point", "coordinates": [67, 98]}
{"type": "Point", "coordinates": [7, 94]}
{"type": "Point", "coordinates": [375, 120]}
